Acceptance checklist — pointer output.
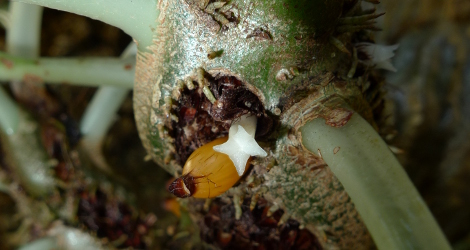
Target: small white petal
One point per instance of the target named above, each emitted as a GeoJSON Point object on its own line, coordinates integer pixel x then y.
{"type": "Point", "coordinates": [379, 55]}
{"type": "Point", "coordinates": [238, 157]}
{"type": "Point", "coordinates": [240, 146]}
{"type": "Point", "coordinates": [239, 160]}
{"type": "Point", "coordinates": [387, 65]}
{"type": "Point", "coordinates": [248, 143]}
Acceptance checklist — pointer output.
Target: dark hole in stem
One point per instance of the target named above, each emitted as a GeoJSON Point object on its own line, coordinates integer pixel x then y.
{"type": "Point", "coordinates": [200, 121]}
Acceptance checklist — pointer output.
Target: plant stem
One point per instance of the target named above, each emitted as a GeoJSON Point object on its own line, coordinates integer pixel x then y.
{"type": "Point", "coordinates": [9, 119]}
{"type": "Point", "coordinates": [22, 142]}
{"type": "Point", "coordinates": [100, 115]}
{"type": "Point", "coordinates": [22, 145]}
{"type": "Point", "coordinates": [79, 71]}
{"type": "Point", "coordinates": [101, 112]}
{"type": "Point", "coordinates": [24, 31]}
{"type": "Point", "coordinates": [136, 18]}
{"type": "Point", "coordinates": [387, 201]}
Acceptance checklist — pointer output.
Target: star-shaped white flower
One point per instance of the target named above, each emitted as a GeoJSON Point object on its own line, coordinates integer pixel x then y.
{"type": "Point", "coordinates": [241, 143]}
{"type": "Point", "coordinates": [379, 56]}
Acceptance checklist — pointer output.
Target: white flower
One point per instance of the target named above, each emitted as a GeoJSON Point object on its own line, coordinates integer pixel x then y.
{"type": "Point", "coordinates": [378, 55]}
{"type": "Point", "coordinates": [241, 143]}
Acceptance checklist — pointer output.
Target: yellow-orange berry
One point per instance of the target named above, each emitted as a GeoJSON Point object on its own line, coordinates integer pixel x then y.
{"type": "Point", "coordinates": [206, 173]}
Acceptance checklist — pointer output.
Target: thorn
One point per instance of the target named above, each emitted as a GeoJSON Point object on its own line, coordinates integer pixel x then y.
{"type": "Point", "coordinates": [189, 83]}
{"type": "Point", "coordinates": [339, 45]}
{"type": "Point", "coordinates": [369, 11]}
{"type": "Point", "coordinates": [221, 19]}
{"type": "Point", "coordinates": [254, 201]}
{"type": "Point", "coordinates": [208, 94]}
{"type": "Point", "coordinates": [272, 209]}
{"type": "Point", "coordinates": [352, 71]}
{"type": "Point", "coordinates": [201, 80]}
{"type": "Point", "coordinates": [236, 204]}
{"type": "Point", "coordinates": [210, 9]}
{"type": "Point", "coordinates": [359, 19]}
{"type": "Point", "coordinates": [355, 28]}
{"type": "Point", "coordinates": [283, 218]}
{"type": "Point", "coordinates": [176, 93]}
{"type": "Point", "coordinates": [202, 4]}
{"type": "Point", "coordinates": [200, 77]}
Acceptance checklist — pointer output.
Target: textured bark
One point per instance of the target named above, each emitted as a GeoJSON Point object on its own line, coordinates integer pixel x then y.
{"type": "Point", "coordinates": [286, 59]}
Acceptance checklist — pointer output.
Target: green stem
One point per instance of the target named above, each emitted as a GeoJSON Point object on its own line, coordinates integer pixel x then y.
{"type": "Point", "coordinates": [137, 18]}
{"type": "Point", "coordinates": [9, 119]}
{"type": "Point", "coordinates": [387, 201]}
{"type": "Point", "coordinates": [101, 112]}
{"type": "Point", "coordinates": [100, 115]}
{"type": "Point", "coordinates": [24, 31]}
{"type": "Point", "coordinates": [79, 71]}
{"type": "Point", "coordinates": [102, 109]}
{"type": "Point", "coordinates": [22, 145]}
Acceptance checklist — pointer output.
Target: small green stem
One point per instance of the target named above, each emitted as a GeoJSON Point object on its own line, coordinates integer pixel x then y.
{"type": "Point", "coordinates": [9, 119]}
{"type": "Point", "coordinates": [22, 145]}
{"type": "Point", "coordinates": [24, 31]}
{"type": "Point", "coordinates": [387, 201]}
{"type": "Point", "coordinates": [101, 112]}
{"type": "Point", "coordinates": [137, 18]}
{"type": "Point", "coordinates": [102, 109]}
{"type": "Point", "coordinates": [100, 115]}
{"type": "Point", "coordinates": [79, 71]}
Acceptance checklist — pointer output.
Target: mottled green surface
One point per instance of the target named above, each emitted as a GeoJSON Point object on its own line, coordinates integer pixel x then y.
{"type": "Point", "coordinates": [269, 38]}
{"type": "Point", "coordinates": [186, 34]}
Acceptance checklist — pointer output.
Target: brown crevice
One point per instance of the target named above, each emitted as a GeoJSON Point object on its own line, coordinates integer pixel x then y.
{"type": "Point", "coordinates": [199, 121]}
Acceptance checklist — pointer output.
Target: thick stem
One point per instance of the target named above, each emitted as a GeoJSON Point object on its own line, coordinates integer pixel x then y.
{"type": "Point", "coordinates": [79, 71]}
{"type": "Point", "coordinates": [387, 201]}
{"type": "Point", "coordinates": [136, 18]}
